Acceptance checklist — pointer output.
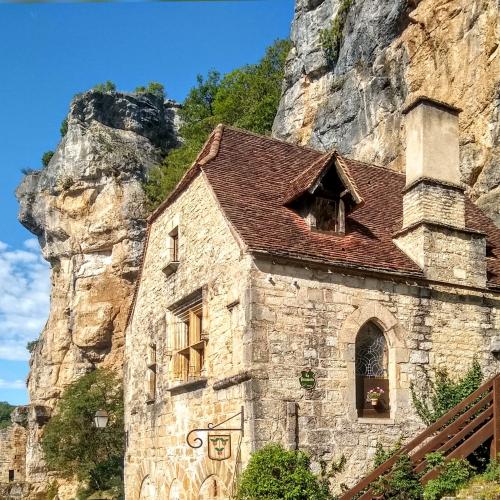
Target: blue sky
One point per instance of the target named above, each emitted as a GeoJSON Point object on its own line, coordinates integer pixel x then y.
{"type": "Point", "coordinates": [48, 53]}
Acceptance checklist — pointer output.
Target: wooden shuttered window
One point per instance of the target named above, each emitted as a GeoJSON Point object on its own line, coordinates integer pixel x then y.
{"type": "Point", "coordinates": [187, 344]}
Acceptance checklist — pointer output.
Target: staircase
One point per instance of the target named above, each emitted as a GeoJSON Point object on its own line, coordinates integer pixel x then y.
{"type": "Point", "coordinates": [456, 434]}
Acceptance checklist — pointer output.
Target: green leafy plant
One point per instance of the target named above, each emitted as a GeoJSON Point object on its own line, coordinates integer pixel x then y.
{"type": "Point", "coordinates": [152, 88]}
{"type": "Point", "coordinates": [442, 394]}
{"type": "Point", "coordinates": [31, 346]}
{"type": "Point", "coordinates": [401, 483]}
{"type": "Point", "coordinates": [5, 411]}
{"type": "Point", "coordinates": [74, 447]}
{"type": "Point", "coordinates": [107, 86]}
{"type": "Point", "coordinates": [247, 97]}
{"type": "Point", "coordinates": [64, 127]}
{"type": "Point", "coordinates": [381, 454]}
{"type": "Point", "coordinates": [331, 38]}
{"type": "Point", "coordinates": [46, 157]}
{"type": "Point", "coordinates": [274, 473]}
{"type": "Point", "coordinates": [454, 474]}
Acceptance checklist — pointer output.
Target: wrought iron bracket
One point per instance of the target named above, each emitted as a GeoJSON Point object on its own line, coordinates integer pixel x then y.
{"type": "Point", "coordinates": [197, 442]}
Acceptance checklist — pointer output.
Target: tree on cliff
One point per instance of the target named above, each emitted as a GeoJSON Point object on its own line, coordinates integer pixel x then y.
{"type": "Point", "coordinates": [248, 98]}
{"type": "Point", "coordinates": [5, 411]}
{"type": "Point", "coordinates": [73, 446]}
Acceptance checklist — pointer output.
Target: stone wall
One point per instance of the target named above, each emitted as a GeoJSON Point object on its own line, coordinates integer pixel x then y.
{"type": "Point", "coordinates": [13, 455]}
{"type": "Point", "coordinates": [158, 460]}
{"type": "Point", "coordinates": [304, 318]}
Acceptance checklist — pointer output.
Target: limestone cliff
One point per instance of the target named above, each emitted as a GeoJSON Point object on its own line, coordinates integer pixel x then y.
{"type": "Point", "coordinates": [391, 51]}
{"type": "Point", "coordinates": [88, 210]}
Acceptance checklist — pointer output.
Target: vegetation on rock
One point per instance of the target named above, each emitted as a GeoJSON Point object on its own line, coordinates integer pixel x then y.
{"type": "Point", "coordinates": [152, 88]}
{"type": "Point", "coordinates": [274, 473]}
{"type": "Point", "coordinates": [64, 127]}
{"type": "Point", "coordinates": [331, 38]}
{"type": "Point", "coordinates": [5, 411]}
{"type": "Point", "coordinates": [247, 97]}
{"type": "Point", "coordinates": [107, 86]}
{"type": "Point", "coordinates": [30, 346]}
{"type": "Point", "coordinates": [73, 446]}
{"type": "Point", "coordinates": [46, 157]}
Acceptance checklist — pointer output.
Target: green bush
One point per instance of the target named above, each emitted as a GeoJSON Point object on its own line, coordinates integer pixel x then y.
{"type": "Point", "coordinates": [331, 38]}
{"type": "Point", "coordinates": [247, 97]}
{"type": "Point", "coordinates": [152, 88]}
{"type": "Point", "coordinates": [444, 393]}
{"type": "Point", "coordinates": [5, 411]}
{"type": "Point", "coordinates": [64, 127]}
{"type": "Point", "coordinates": [107, 86]}
{"type": "Point", "coordinates": [453, 475]}
{"type": "Point", "coordinates": [401, 483]}
{"type": "Point", "coordinates": [274, 473]}
{"type": "Point", "coordinates": [73, 446]}
{"type": "Point", "coordinates": [30, 346]}
{"type": "Point", "coordinates": [46, 157]}
{"type": "Point", "coordinates": [381, 455]}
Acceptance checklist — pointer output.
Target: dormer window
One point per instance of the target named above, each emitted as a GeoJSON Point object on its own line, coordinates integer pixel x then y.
{"type": "Point", "coordinates": [327, 215]}
{"type": "Point", "coordinates": [323, 195]}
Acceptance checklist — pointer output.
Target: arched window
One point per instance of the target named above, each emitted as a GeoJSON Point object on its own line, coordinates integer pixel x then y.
{"type": "Point", "coordinates": [372, 379]}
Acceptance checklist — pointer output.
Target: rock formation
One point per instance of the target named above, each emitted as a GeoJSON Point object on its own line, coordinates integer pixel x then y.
{"type": "Point", "coordinates": [390, 52]}
{"type": "Point", "coordinates": [88, 210]}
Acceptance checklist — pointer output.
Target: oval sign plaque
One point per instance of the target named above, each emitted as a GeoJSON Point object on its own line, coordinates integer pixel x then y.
{"type": "Point", "coordinates": [307, 379]}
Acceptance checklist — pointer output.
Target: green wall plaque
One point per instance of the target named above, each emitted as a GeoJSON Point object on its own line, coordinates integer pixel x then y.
{"type": "Point", "coordinates": [307, 379]}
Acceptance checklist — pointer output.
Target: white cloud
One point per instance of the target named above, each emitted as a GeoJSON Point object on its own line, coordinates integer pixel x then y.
{"type": "Point", "coordinates": [24, 299]}
{"type": "Point", "coordinates": [16, 384]}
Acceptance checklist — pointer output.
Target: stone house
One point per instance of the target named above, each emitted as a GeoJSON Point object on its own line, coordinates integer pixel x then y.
{"type": "Point", "coordinates": [280, 284]}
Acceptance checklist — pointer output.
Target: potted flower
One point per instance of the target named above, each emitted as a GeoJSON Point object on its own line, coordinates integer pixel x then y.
{"type": "Point", "coordinates": [374, 395]}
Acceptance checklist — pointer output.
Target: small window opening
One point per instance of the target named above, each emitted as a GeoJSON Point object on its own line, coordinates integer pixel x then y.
{"type": "Point", "coordinates": [11, 475]}
{"type": "Point", "coordinates": [151, 374]}
{"type": "Point", "coordinates": [174, 245]}
{"type": "Point", "coordinates": [372, 380]}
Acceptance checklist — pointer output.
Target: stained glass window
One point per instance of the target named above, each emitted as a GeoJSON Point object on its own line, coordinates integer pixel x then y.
{"type": "Point", "coordinates": [371, 352]}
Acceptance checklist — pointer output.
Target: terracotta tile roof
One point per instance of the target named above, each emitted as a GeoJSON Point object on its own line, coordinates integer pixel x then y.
{"type": "Point", "coordinates": [252, 175]}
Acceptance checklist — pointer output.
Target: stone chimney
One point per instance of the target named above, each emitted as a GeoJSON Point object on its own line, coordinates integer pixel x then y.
{"type": "Point", "coordinates": [434, 233]}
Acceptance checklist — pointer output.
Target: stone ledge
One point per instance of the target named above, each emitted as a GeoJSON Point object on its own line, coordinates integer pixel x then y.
{"type": "Point", "coordinates": [435, 182]}
{"type": "Point", "coordinates": [233, 380]}
{"type": "Point", "coordinates": [472, 232]}
{"type": "Point", "coordinates": [192, 385]}
{"type": "Point", "coordinates": [377, 421]}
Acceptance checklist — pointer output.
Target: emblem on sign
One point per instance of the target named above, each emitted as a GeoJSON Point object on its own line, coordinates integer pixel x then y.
{"type": "Point", "coordinates": [307, 379]}
{"type": "Point", "coordinates": [219, 447]}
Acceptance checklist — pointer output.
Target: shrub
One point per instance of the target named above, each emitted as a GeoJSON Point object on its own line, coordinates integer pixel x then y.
{"type": "Point", "coordinates": [5, 410]}
{"type": "Point", "coordinates": [444, 393]}
{"type": "Point", "coordinates": [331, 38]}
{"type": "Point", "coordinates": [381, 455]}
{"type": "Point", "coordinates": [152, 88]}
{"type": "Point", "coordinates": [73, 446]}
{"type": "Point", "coordinates": [64, 127]}
{"type": "Point", "coordinates": [453, 475]}
{"type": "Point", "coordinates": [274, 473]}
{"type": "Point", "coordinates": [107, 86]}
{"type": "Point", "coordinates": [401, 483]}
{"type": "Point", "coordinates": [27, 171]}
{"type": "Point", "coordinates": [46, 157]}
{"type": "Point", "coordinates": [31, 346]}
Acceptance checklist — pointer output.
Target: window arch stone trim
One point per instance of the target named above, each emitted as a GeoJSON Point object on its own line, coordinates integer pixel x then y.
{"type": "Point", "coordinates": [398, 352]}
